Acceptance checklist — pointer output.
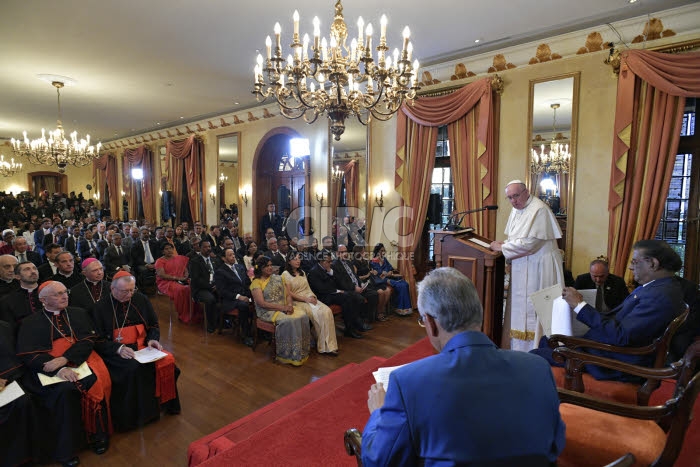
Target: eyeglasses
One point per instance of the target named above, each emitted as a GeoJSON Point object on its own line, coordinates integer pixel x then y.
{"type": "Point", "coordinates": [61, 293]}
{"type": "Point", "coordinates": [127, 291]}
{"type": "Point", "coordinates": [636, 261]}
{"type": "Point", "coordinates": [421, 320]}
{"type": "Point", "coordinates": [515, 196]}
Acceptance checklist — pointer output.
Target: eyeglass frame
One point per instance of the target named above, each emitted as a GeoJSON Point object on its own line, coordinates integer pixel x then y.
{"type": "Point", "coordinates": [515, 196]}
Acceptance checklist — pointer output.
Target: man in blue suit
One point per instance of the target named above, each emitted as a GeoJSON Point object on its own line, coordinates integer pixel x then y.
{"type": "Point", "coordinates": [641, 317]}
{"type": "Point", "coordinates": [470, 404]}
{"type": "Point", "coordinates": [233, 286]}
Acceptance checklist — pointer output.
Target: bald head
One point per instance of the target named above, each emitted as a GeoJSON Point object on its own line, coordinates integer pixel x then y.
{"type": "Point", "coordinates": [7, 267]}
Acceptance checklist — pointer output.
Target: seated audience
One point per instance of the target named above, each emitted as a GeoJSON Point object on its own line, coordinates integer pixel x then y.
{"type": "Point", "coordinates": [365, 273]}
{"type": "Point", "coordinates": [251, 249]}
{"type": "Point", "coordinates": [202, 269]}
{"type": "Point", "coordinates": [116, 257]}
{"type": "Point", "coordinates": [611, 290]}
{"type": "Point", "coordinates": [143, 258]}
{"type": "Point", "coordinates": [639, 319]}
{"type": "Point", "coordinates": [17, 305]}
{"type": "Point", "coordinates": [48, 268]}
{"type": "Point", "coordinates": [66, 272]}
{"type": "Point", "coordinates": [87, 246]}
{"type": "Point", "coordinates": [280, 256]}
{"type": "Point", "coordinates": [387, 275]}
{"type": "Point", "coordinates": [53, 341]}
{"type": "Point", "coordinates": [126, 322]}
{"type": "Point", "coordinates": [20, 250]}
{"type": "Point", "coordinates": [471, 404]}
{"type": "Point", "coordinates": [274, 305]}
{"type": "Point", "coordinates": [347, 280]}
{"type": "Point", "coordinates": [326, 288]}
{"type": "Point", "coordinates": [233, 286]}
{"type": "Point", "coordinates": [321, 316]}
{"type": "Point", "coordinates": [172, 280]}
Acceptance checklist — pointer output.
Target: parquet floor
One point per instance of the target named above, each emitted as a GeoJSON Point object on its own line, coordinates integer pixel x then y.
{"type": "Point", "coordinates": [222, 380]}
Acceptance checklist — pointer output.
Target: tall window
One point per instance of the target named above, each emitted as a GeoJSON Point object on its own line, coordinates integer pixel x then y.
{"type": "Point", "coordinates": [674, 224]}
{"type": "Point", "coordinates": [441, 184]}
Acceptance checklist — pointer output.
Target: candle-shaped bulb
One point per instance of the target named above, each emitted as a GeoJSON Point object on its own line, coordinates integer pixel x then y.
{"type": "Point", "coordinates": [306, 46]}
{"type": "Point", "coordinates": [383, 22]}
{"type": "Point", "coordinates": [268, 45]}
{"type": "Point", "coordinates": [324, 49]}
{"type": "Point", "coordinates": [360, 27]}
{"type": "Point", "coordinates": [410, 51]}
{"type": "Point", "coordinates": [353, 49]}
{"type": "Point", "coordinates": [278, 32]}
{"type": "Point", "coordinates": [295, 17]}
{"type": "Point", "coordinates": [317, 27]}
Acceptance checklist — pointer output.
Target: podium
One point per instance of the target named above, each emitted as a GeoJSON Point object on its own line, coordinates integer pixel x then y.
{"type": "Point", "coordinates": [470, 254]}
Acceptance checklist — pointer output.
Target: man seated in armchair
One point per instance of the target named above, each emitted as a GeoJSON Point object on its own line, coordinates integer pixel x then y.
{"type": "Point", "coordinates": [611, 290]}
{"type": "Point", "coordinates": [639, 319]}
{"type": "Point", "coordinates": [472, 403]}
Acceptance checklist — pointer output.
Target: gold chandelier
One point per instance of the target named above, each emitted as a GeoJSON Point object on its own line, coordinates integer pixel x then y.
{"type": "Point", "coordinates": [8, 169]}
{"type": "Point", "coordinates": [337, 174]}
{"type": "Point", "coordinates": [57, 150]}
{"type": "Point", "coordinates": [328, 80]}
{"type": "Point", "coordinates": [558, 157]}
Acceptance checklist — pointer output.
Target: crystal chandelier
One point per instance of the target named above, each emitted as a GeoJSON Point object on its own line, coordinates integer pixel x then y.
{"type": "Point", "coordinates": [337, 174]}
{"type": "Point", "coordinates": [558, 157]}
{"type": "Point", "coordinates": [57, 150]}
{"type": "Point", "coordinates": [328, 80]}
{"type": "Point", "coordinates": [8, 169]}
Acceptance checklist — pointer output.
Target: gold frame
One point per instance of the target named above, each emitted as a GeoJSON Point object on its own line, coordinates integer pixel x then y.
{"type": "Point", "coordinates": [569, 239]}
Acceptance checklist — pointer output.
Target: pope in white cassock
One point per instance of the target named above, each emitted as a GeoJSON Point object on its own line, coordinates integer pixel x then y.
{"type": "Point", "coordinates": [536, 263]}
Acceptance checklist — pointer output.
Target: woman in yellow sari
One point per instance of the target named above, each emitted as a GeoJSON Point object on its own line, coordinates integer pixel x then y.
{"type": "Point", "coordinates": [274, 305]}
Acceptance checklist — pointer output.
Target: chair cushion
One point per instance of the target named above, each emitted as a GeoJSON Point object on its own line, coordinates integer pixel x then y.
{"type": "Point", "coordinates": [618, 391]}
{"type": "Point", "coordinates": [596, 438]}
{"type": "Point", "coordinates": [264, 325]}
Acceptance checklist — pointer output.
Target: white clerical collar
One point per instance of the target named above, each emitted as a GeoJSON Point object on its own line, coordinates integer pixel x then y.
{"type": "Point", "coordinates": [55, 312]}
{"type": "Point", "coordinates": [27, 289]}
{"type": "Point", "coordinates": [64, 275]}
{"type": "Point", "coordinates": [8, 282]}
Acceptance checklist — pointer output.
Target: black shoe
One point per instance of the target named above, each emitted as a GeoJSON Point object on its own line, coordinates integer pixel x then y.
{"type": "Point", "coordinates": [71, 462]}
{"type": "Point", "coordinates": [354, 334]}
{"type": "Point", "coordinates": [100, 446]}
{"type": "Point", "coordinates": [248, 341]}
{"type": "Point", "coordinates": [211, 330]}
{"type": "Point", "coordinates": [367, 327]}
{"type": "Point", "coordinates": [228, 324]}
{"type": "Point", "coordinates": [330, 354]}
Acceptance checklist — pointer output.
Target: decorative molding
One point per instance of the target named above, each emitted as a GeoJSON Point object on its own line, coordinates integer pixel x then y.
{"type": "Point", "coordinates": [594, 43]}
{"type": "Point", "coordinates": [653, 30]}
{"type": "Point", "coordinates": [461, 72]}
{"type": "Point", "coordinates": [543, 54]}
{"type": "Point", "coordinates": [500, 64]}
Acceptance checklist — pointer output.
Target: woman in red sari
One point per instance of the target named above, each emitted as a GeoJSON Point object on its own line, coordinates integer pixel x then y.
{"type": "Point", "coordinates": [171, 275]}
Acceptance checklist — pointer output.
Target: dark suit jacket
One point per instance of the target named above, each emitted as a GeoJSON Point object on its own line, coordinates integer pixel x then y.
{"type": "Point", "coordinates": [199, 274]}
{"type": "Point", "coordinates": [342, 278]}
{"type": "Point", "coordinates": [228, 285]}
{"type": "Point", "coordinates": [279, 260]}
{"type": "Point", "coordinates": [113, 260]}
{"type": "Point", "coordinates": [409, 431]}
{"type": "Point", "coordinates": [72, 245]}
{"type": "Point", "coordinates": [45, 272]}
{"type": "Point", "coordinates": [641, 317]}
{"type": "Point", "coordinates": [321, 283]}
{"type": "Point", "coordinates": [615, 289]}
{"type": "Point", "coordinates": [84, 249]}
{"type": "Point", "coordinates": [34, 257]}
{"type": "Point", "coordinates": [266, 223]}
{"type": "Point", "coordinates": [138, 255]}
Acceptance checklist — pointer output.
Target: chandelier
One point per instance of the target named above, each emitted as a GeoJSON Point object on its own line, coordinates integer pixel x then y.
{"type": "Point", "coordinates": [57, 150]}
{"type": "Point", "coordinates": [222, 178]}
{"type": "Point", "coordinates": [8, 169]}
{"type": "Point", "coordinates": [328, 80]}
{"type": "Point", "coordinates": [558, 157]}
{"type": "Point", "coordinates": [337, 174]}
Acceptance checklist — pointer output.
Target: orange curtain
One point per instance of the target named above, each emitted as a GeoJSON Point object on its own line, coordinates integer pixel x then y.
{"type": "Point", "coordinates": [651, 93]}
{"type": "Point", "coordinates": [186, 155]}
{"type": "Point", "coordinates": [142, 157]}
{"type": "Point", "coordinates": [104, 170]}
{"type": "Point", "coordinates": [468, 113]}
{"type": "Point", "coordinates": [351, 183]}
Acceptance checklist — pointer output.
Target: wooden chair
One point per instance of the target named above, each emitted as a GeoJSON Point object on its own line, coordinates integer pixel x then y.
{"type": "Point", "coordinates": [233, 314]}
{"type": "Point", "coordinates": [353, 446]}
{"type": "Point", "coordinates": [599, 429]}
{"type": "Point", "coordinates": [573, 376]}
{"type": "Point", "coordinates": [260, 325]}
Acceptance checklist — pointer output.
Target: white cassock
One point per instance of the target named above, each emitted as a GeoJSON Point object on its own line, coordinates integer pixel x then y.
{"type": "Point", "coordinates": [536, 263]}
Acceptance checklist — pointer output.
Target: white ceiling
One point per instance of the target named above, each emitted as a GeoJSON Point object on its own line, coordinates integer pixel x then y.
{"type": "Point", "coordinates": [141, 64]}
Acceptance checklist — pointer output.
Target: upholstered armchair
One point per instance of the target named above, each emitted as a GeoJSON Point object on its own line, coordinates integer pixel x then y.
{"type": "Point", "coordinates": [598, 430]}
{"type": "Point", "coordinates": [573, 377]}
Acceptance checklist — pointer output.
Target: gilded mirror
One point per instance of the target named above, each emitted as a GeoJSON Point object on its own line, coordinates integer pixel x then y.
{"type": "Point", "coordinates": [227, 176]}
{"type": "Point", "coordinates": [551, 147]}
{"type": "Point", "coordinates": [348, 162]}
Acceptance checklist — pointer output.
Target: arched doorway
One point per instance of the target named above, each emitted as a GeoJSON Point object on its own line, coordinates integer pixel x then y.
{"type": "Point", "coordinates": [53, 182]}
{"type": "Point", "coordinates": [276, 179]}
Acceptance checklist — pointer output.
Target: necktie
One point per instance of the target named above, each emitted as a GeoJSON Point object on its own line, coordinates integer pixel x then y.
{"type": "Point", "coordinates": [209, 266]}
{"type": "Point", "coordinates": [599, 301]}
{"type": "Point", "coordinates": [119, 250]}
{"type": "Point", "coordinates": [233, 268]}
{"type": "Point", "coordinates": [147, 249]}
{"type": "Point", "coordinates": [22, 257]}
{"type": "Point", "coordinates": [350, 273]}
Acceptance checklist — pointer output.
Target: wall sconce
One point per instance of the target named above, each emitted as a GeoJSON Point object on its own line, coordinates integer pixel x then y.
{"type": "Point", "coordinates": [160, 192]}
{"type": "Point", "coordinates": [244, 197]}
{"type": "Point", "coordinates": [379, 200]}
{"type": "Point", "coordinates": [320, 197]}
{"type": "Point", "coordinates": [123, 193]}
{"type": "Point", "coordinates": [212, 194]}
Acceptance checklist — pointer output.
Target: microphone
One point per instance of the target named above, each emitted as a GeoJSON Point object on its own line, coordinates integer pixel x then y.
{"type": "Point", "coordinates": [449, 226]}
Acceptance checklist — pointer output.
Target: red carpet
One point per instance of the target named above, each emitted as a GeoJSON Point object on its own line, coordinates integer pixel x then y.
{"type": "Point", "coordinates": [305, 427]}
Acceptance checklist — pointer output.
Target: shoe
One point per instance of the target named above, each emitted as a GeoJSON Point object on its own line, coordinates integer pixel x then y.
{"type": "Point", "coordinates": [248, 341]}
{"type": "Point", "coordinates": [172, 407]}
{"type": "Point", "coordinates": [100, 446]}
{"type": "Point", "coordinates": [367, 327]}
{"type": "Point", "coordinates": [354, 334]}
{"type": "Point", "coordinates": [330, 354]}
{"type": "Point", "coordinates": [211, 330]}
{"type": "Point", "coordinates": [71, 462]}
{"type": "Point", "coordinates": [382, 318]}
{"type": "Point", "coordinates": [228, 324]}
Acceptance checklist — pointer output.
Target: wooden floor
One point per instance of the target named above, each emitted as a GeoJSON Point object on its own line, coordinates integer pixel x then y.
{"type": "Point", "coordinates": [222, 380]}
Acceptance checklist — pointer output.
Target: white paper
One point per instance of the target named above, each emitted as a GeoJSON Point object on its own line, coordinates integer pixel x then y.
{"type": "Point", "coordinates": [83, 370]}
{"type": "Point", "coordinates": [11, 392]}
{"type": "Point", "coordinates": [382, 375]}
{"type": "Point", "coordinates": [555, 315]}
{"type": "Point", "coordinates": [148, 355]}
{"type": "Point", "coordinates": [480, 242]}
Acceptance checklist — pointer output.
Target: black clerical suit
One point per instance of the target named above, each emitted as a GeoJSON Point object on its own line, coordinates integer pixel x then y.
{"type": "Point", "coordinates": [7, 287]}
{"type": "Point", "coordinates": [327, 289]}
{"type": "Point", "coordinates": [134, 401]}
{"type": "Point", "coordinates": [16, 306]}
{"type": "Point", "coordinates": [69, 281]}
{"type": "Point", "coordinates": [614, 290]}
{"type": "Point", "coordinates": [348, 280]}
{"type": "Point", "coordinates": [202, 286]}
{"type": "Point", "coordinates": [85, 294]}
{"type": "Point", "coordinates": [234, 290]}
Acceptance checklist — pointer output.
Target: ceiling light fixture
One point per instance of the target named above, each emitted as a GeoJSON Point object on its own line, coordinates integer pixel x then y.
{"type": "Point", "coordinates": [558, 157]}
{"type": "Point", "coordinates": [328, 80]}
{"type": "Point", "coordinates": [57, 150]}
{"type": "Point", "coordinates": [8, 169]}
